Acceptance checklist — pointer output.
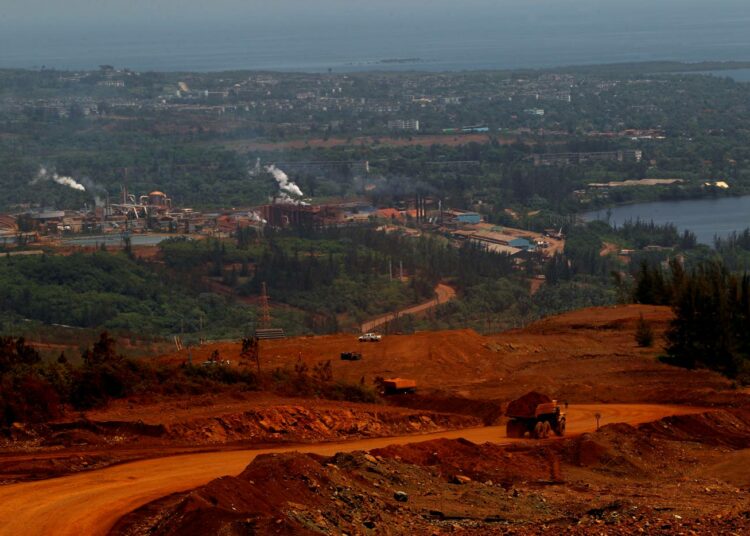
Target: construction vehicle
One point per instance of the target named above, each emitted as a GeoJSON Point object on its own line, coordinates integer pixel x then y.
{"type": "Point", "coordinates": [535, 414]}
{"type": "Point", "coordinates": [395, 386]}
{"type": "Point", "coordinates": [351, 356]}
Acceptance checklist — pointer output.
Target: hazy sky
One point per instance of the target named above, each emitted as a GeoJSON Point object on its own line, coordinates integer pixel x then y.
{"type": "Point", "coordinates": [49, 11]}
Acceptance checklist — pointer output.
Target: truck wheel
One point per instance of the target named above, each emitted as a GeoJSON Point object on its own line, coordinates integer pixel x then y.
{"type": "Point", "coordinates": [560, 428]}
{"type": "Point", "coordinates": [539, 430]}
{"type": "Point", "coordinates": [513, 429]}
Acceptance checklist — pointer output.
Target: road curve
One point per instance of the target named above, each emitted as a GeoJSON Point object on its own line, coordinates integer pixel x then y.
{"type": "Point", "coordinates": [443, 294]}
{"type": "Point", "coordinates": [90, 503]}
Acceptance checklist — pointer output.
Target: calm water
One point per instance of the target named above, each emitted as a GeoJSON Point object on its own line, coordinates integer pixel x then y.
{"type": "Point", "coordinates": [739, 75]}
{"type": "Point", "coordinates": [350, 36]}
{"type": "Point", "coordinates": [705, 217]}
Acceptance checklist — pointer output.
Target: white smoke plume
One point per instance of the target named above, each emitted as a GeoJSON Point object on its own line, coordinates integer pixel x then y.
{"type": "Point", "coordinates": [98, 191]}
{"type": "Point", "coordinates": [44, 175]}
{"type": "Point", "coordinates": [285, 185]}
{"type": "Point", "coordinates": [256, 217]}
{"type": "Point", "coordinates": [255, 171]}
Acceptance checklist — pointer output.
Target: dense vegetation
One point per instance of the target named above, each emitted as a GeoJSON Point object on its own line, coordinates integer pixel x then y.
{"type": "Point", "coordinates": [711, 327]}
{"type": "Point", "coordinates": [111, 291]}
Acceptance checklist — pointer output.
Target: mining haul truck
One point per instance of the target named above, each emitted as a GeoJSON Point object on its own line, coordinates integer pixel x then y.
{"type": "Point", "coordinates": [535, 414]}
{"type": "Point", "coordinates": [395, 386]}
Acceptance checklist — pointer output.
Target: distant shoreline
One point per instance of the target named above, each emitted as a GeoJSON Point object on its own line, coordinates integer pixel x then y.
{"type": "Point", "coordinates": [645, 67]}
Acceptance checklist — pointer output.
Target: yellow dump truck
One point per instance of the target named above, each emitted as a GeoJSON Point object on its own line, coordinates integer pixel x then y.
{"type": "Point", "coordinates": [393, 386]}
{"type": "Point", "coordinates": [536, 414]}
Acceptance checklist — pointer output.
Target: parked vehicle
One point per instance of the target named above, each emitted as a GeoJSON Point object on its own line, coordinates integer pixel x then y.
{"type": "Point", "coordinates": [369, 337]}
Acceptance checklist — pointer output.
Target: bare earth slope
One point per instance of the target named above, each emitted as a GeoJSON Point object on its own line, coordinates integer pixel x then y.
{"type": "Point", "coordinates": [584, 356]}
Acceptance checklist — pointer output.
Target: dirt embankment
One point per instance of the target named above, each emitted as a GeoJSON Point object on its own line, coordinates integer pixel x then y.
{"type": "Point", "coordinates": [293, 423]}
{"type": "Point", "coordinates": [619, 480]}
{"type": "Point", "coordinates": [84, 444]}
{"type": "Point", "coordinates": [302, 424]}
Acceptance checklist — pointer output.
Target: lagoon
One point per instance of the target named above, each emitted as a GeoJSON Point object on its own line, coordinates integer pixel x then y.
{"type": "Point", "coordinates": [707, 218]}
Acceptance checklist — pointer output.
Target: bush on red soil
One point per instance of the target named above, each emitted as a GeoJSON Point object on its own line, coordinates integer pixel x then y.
{"type": "Point", "coordinates": [319, 382]}
{"type": "Point", "coordinates": [25, 393]}
{"type": "Point", "coordinates": [32, 391]}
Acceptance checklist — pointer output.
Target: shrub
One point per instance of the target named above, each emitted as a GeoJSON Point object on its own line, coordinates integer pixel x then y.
{"type": "Point", "coordinates": [644, 333]}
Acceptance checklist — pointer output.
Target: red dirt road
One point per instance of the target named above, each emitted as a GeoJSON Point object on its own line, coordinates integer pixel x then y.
{"type": "Point", "coordinates": [443, 294]}
{"type": "Point", "coordinates": [90, 503]}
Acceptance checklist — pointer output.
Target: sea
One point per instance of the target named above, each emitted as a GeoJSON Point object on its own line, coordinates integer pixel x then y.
{"type": "Point", "coordinates": [326, 35]}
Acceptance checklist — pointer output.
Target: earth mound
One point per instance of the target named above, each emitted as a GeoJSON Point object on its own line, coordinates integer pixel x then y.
{"type": "Point", "coordinates": [720, 428]}
{"type": "Point", "coordinates": [618, 480]}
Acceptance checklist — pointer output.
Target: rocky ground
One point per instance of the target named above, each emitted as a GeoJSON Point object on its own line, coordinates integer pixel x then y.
{"type": "Point", "coordinates": [656, 478]}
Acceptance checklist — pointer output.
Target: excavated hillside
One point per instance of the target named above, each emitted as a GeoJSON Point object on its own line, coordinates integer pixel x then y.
{"type": "Point", "coordinates": [586, 356]}
{"type": "Point", "coordinates": [464, 379]}
{"type": "Point", "coordinates": [656, 478]}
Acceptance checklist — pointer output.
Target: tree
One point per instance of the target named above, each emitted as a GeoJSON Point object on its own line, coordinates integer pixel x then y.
{"type": "Point", "coordinates": [644, 333]}
{"type": "Point", "coordinates": [103, 351]}
{"type": "Point", "coordinates": [711, 320]}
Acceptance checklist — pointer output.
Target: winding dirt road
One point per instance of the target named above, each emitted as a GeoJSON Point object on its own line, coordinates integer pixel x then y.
{"type": "Point", "coordinates": [443, 294]}
{"type": "Point", "coordinates": [90, 503]}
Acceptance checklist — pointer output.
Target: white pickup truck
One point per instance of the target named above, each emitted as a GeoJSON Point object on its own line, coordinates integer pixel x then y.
{"type": "Point", "coordinates": [369, 337]}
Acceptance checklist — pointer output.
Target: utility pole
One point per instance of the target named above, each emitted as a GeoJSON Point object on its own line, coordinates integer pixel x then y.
{"type": "Point", "coordinates": [265, 319]}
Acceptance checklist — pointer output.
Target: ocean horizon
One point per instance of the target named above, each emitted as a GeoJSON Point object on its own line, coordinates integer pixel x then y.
{"type": "Point", "coordinates": [500, 37]}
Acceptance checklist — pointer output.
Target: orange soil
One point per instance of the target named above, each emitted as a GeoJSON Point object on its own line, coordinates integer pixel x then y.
{"type": "Point", "coordinates": [90, 503]}
{"type": "Point", "coordinates": [584, 356]}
